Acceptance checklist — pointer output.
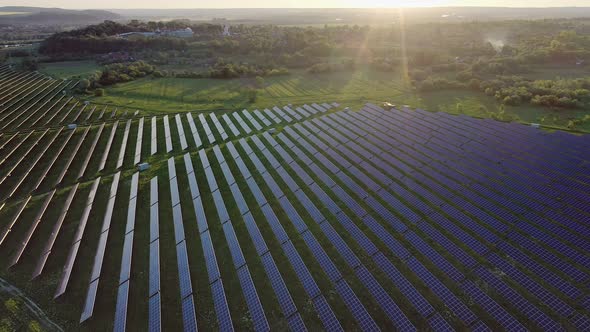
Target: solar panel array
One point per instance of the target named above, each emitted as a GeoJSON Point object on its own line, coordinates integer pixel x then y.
{"type": "Point", "coordinates": [371, 219]}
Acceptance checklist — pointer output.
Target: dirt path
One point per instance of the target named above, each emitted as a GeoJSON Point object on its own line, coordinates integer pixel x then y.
{"type": "Point", "coordinates": [34, 310]}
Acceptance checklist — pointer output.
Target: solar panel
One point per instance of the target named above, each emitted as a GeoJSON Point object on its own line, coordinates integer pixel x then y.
{"type": "Point", "coordinates": [178, 223]}
{"type": "Point", "coordinates": [254, 306]}
{"type": "Point", "coordinates": [407, 289]}
{"type": "Point", "coordinates": [255, 234]}
{"type": "Point", "coordinates": [221, 308]}
{"type": "Point", "coordinates": [356, 308]}
{"type": "Point", "coordinates": [189, 319]}
{"type": "Point", "coordinates": [154, 268]}
{"type": "Point", "coordinates": [90, 300]}
{"type": "Point", "coordinates": [126, 258]}
{"type": "Point", "coordinates": [154, 314]}
{"type": "Point", "coordinates": [492, 308]}
{"type": "Point", "coordinates": [121, 307]}
{"type": "Point", "coordinates": [449, 299]}
{"type": "Point", "coordinates": [210, 259]}
{"type": "Point", "coordinates": [438, 323]}
{"type": "Point", "coordinates": [184, 275]}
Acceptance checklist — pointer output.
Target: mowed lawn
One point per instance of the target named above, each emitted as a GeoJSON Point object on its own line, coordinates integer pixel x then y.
{"type": "Point", "coordinates": [69, 69]}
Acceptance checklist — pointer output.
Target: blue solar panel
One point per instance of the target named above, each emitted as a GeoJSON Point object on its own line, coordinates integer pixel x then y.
{"type": "Point", "coordinates": [234, 245]}
{"type": "Point", "coordinates": [154, 268]}
{"type": "Point", "coordinates": [532, 286]}
{"type": "Point", "coordinates": [438, 323]}
{"type": "Point", "coordinates": [493, 309]}
{"type": "Point", "coordinates": [278, 285]}
{"type": "Point", "coordinates": [126, 258]}
{"type": "Point", "coordinates": [239, 198]}
{"type": "Point", "coordinates": [438, 288]}
{"type": "Point", "coordinates": [155, 314]}
{"type": "Point", "coordinates": [220, 205]}
{"type": "Point", "coordinates": [258, 195]}
{"type": "Point", "coordinates": [409, 291]}
{"type": "Point", "coordinates": [189, 319]}
{"type": "Point", "coordinates": [296, 323]}
{"type": "Point", "coordinates": [392, 310]}
{"type": "Point", "coordinates": [434, 256]}
{"type": "Point", "coordinates": [255, 234]}
{"type": "Point", "coordinates": [356, 308]}
{"type": "Point", "coordinates": [394, 245]}
{"type": "Point", "coordinates": [274, 187]}
{"type": "Point", "coordinates": [210, 259]}
{"type": "Point", "coordinates": [121, 307]}
{"type": "Point", "coordinates": [518, 301]}
{"type": "Point", "coordinates": [178, 225]}
{"type": "Point", "coordinates": [184, 275]}
{"type": "Point", "coordinates": [221, 308]}
{"type": "Point", "coordinates": [320, 254]}
{"type": "Point", "coordinates": [292, 214]}
{"type": "Point", "coordinates": [274, 223]}
{"type": "Point", "coordinates": [301, 270]}
{"type": "Point", "coordinates": [254, 306]}
{"type": "Point", "coordinates": [326, 314]}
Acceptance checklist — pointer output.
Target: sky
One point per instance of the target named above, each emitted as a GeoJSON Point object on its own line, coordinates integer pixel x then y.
{"type": "Point", "coordinates": [77, 4]}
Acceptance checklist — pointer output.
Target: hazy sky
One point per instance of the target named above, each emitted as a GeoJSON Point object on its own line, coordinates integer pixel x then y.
{"type": "Point", "coordinates": [286, 3]}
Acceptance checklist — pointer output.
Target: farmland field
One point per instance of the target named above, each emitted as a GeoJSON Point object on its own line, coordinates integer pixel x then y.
{"type": "Point", "coordinates": [69, 69]}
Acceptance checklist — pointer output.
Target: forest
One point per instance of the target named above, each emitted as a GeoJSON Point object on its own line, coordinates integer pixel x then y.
{"type": "Point", "coordinates": [494, 58]}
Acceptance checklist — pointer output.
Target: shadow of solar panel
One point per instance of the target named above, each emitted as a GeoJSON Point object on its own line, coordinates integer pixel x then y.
{"type": "Point", "coordinates": [189, 319]}
{"type": "Point", "coordinates": [121, 307]}
{"type": "Point", "coordinates": [154, 314]}
{"type": "Point", "coordinates": [154, 268]}
{"type": "Point", "coordinates": [255, 307]}
{"type": "Point", "coordinates": [210, 258]}
{"type": "Point", "coordinates": [303, 274]}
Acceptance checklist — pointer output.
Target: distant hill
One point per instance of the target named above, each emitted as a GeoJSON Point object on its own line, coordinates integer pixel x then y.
{"type": "Point", "coordinates": [19, 15]}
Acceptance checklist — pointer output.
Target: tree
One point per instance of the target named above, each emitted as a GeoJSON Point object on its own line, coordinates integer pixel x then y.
{"type": "Point", "coordinates": [259, 81]}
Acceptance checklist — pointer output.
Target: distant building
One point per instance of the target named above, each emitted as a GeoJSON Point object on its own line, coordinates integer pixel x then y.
{"type": "Point", "coordinates": [183, 33]}
{"type": "Point", "coordinates": [226, 32]}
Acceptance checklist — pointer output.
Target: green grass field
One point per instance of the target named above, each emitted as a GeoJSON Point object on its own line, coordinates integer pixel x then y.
{"type": "Point", "coordinates": [69, 69]}
{"type": "Point", "coordinates": [353, 89]}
